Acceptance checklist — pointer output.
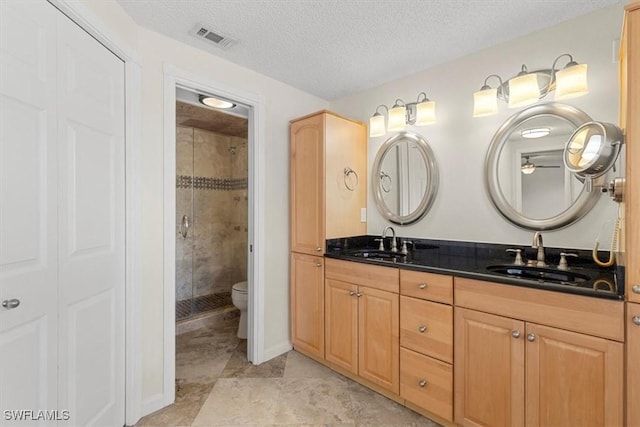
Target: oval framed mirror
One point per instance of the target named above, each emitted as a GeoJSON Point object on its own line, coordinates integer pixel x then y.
{"type": "Point", "coordinates": [404, 178]}
{"type": "Point", "coordinates": [526, 178]}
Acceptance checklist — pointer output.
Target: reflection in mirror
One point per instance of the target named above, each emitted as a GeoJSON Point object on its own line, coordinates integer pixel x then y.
{"type": "Point", "coordinates": [405, 178]}
{"type": "Point", "coordinates": [526, 177]}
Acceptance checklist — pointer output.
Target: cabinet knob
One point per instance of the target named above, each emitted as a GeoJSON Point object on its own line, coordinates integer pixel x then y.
{"type": "Point", "coordinates": [319, 249]}
{"type": "Point", "coordinates": [359, 294]}
{"type": "Point", "coordinates": [422, 329]}
{"type": "Point", "coordinates": [531, 337]}
{"type": "Point", "coordinates": [422, 383]}
{"type": "Point", "coordinates": [318, 264]}
{"type": "Point", "coordinates": [636, 289]}
{"type": "Point", "coordinates": [636, 320]}
{"type": "Point", "coordinates": [352, 293]}
{"type": "Point", "coordinates": [515, 333]}
{"type": "Point", "coordinates": [10, 303]}
{"type": "Point", "coordinates": [422, 285]}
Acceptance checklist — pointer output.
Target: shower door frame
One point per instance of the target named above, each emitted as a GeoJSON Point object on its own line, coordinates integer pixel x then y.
{"type": "Point", "coordinates": [173, 78]}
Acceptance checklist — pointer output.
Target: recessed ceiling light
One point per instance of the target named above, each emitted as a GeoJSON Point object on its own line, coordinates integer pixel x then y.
{"type": "Point", "coordinates": [535, 133]}
{"type": "Point", "coordinates": [211, 101]}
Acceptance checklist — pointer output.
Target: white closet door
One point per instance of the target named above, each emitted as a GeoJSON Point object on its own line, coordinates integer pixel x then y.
{"type": "Point", "coordinates": [91, 229]}
{"type": "Point", "coordinates": [28, 205]}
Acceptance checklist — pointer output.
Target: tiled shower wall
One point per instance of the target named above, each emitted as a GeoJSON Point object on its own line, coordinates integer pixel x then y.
{"type": "Point", "coordinates": [211, 189]}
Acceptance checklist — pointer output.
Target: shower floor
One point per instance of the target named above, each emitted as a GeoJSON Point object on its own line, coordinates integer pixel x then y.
{"type": "Point", "coordinates": [189, 307]}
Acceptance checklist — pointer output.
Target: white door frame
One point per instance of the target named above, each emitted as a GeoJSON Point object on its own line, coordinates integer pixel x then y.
{"type": "Point", "coordinates": [173, 77]}
{"type": "Point", "coordinates": [93, 25]}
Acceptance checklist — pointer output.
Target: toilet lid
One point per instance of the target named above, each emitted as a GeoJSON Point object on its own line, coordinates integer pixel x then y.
{"type": "Point", "coordinates": [241, 287]}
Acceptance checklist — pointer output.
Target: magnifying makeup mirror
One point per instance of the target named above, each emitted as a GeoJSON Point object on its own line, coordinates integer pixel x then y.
{"type": "Point", "coordinates": [592, 150]}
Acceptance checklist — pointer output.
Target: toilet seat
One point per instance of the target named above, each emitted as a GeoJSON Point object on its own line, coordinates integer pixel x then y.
{"type": "Point", "coordinates": [241, 287]}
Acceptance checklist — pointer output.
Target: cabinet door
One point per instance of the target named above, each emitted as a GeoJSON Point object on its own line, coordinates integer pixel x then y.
{"type": "Point", "coordinates": [307, 304]}
{"type": "Point", "coordinates": [346, 192]}
{"type": "Point", "coordinates": [379, 342]}
{"type": "Point", "coordinates": [633, 364]}
{"type": "Point", "coordinates": [630, 109]}
{"type": "Point", "coordinates": [341, 324]}
{"type": "Point", "coordinates": [489, 370]}
{"type": "Point", "coordinates": [307, 185]}
{"type": "Point", "coordinates": [572, 379]}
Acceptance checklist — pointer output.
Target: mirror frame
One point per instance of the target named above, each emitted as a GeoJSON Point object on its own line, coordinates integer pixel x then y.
{"type": "Point", "coordinates": [579, 208]}
{"type": "Point", "coordinates": [432, 172]}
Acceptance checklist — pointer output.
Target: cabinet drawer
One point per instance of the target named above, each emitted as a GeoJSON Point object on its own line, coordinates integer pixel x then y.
{"type": "Point", "coordinates": [434, 287]}
{"type": "Point", "coordinates": [372, 276]}
{"type": "Point", "coordinates": [427, 327]}
{"type": "Point", "coordinates": [427, 382]}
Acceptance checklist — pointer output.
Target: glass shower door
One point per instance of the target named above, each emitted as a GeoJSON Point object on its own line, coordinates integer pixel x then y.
{"type": "Point", "coordinates": [184, 222]}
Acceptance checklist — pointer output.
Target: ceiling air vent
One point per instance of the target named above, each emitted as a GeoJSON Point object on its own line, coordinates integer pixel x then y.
{"type": "Point", "coordinates": [217, 39]}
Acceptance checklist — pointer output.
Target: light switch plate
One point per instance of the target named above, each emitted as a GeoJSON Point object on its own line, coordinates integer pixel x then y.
{"type": "Point", "coordinates": [363, 214]}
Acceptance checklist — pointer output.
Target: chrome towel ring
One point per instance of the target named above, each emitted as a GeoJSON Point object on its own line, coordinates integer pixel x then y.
{"type": "Point", "coordinates": [348, 171]}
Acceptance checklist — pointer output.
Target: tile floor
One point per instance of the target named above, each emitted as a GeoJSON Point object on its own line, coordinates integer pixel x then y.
{"type": "Point", "coordinates": [216, 386]}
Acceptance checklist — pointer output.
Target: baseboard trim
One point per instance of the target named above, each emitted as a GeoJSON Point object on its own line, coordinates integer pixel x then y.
{"type": "Point", "coordinates": [152, 404]}
{"type": "Point", "coordinates": [277, 350]}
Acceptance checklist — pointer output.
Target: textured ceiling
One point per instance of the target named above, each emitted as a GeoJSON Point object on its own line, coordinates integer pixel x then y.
{"type": "Point", "coordinates": [334, 48]}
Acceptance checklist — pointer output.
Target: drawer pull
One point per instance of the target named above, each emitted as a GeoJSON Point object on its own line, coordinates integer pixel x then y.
{"type": "Point", "coordinates": [422, 329]}
{"type": "Point", "coordinates": [636, 289]}
{"type": "Point", "coordinates": [422, 285]}
{"type": "Point", "coordinates": [636, 320]}
{"type": "Point", "coordinates": [422, 383]}
{"type": "Point", "coordinates": [515, 333]}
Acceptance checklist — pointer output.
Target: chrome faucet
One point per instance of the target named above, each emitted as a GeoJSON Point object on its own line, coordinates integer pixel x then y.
{"type": "Point", "coordinates": [394, 248]}
{"type": "Point", "coordinates": [537, 244]}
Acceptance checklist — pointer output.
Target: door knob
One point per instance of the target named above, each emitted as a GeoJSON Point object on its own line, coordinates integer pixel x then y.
{"type": "Point", "coordinates": [10, 303]}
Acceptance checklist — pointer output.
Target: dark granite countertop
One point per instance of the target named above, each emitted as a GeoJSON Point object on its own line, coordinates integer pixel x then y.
{"type": "Point", "coordinates": [470, 260]}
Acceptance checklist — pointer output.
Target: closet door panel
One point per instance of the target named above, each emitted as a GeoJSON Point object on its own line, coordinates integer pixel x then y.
{"type": "Point", "coordinates": [28, 195]}
{"type": "Point", "coordinates": [91, 228]}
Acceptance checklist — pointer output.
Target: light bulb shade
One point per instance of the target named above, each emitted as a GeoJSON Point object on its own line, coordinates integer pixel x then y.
{"type": "Point", "coordinates": [571, 82]}
{"type": "Point", "coordinates": [376, 125]}
{"type": "Point", "coordinates": [425, 113]}
{"type": "Point", "coordinates": [212, 101]}
{"type": "Point", "coordinates": [397, 118]}
{"type": "Point", "coordinates": [485, 102]}
{"type": "Point", "coordinates": [528, 168]}
{"type": "Point", "coordinates": [523, 90]}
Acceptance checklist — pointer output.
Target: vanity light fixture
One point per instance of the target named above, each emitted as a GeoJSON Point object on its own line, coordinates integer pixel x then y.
{"type": "Point", "coordinates": [419, 113]}
{"type": "Point", "coordinates": [534, 133]}
{"type": "Point", "coordinates": [530, 86]}
{"type": "Point", "coordinates": [212, 101]}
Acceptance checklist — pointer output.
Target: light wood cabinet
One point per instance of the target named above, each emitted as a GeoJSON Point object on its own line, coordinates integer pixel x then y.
{"type": "Point", "coordinates": [426, 342]}
{"type": "Point", "coordinates": [307, 304]}
{"type": "Point", "coordinates": [568, 378]}
{"type": "Point", "coordinates": [326, 202]}
{"type": "Point", "coordinates": [633, 364]}
{"type": "Point", "coordinates": [326, 197]}
{"type": "Point", "coordinates": [629, 113]}
{"type": "Point", "coordinates": [362, 322]}
{"type": "Point", "coordinates": [489, 374]}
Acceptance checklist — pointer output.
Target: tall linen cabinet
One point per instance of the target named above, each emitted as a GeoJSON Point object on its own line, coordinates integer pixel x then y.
{"type": "Point", "coordinates": [328, 198]}
{"type": "Point", "coordinates": [630, 123]}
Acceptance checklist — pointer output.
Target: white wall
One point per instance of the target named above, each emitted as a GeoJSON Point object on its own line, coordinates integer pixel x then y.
{"type": "Point", "coordinates": [282, 103]}
{"type": "Point", "coordinates": [462, 210]}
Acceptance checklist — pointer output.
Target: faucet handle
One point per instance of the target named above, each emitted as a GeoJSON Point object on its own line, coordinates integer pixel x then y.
{"type": "Point", "coordinates": [563, 265]}
{"type": "Point", "coordinates": [381, 245]}
{"type": "Point", "coordinates": [518, 260]}
{"type": "Point", "coordinates": [404, 249]}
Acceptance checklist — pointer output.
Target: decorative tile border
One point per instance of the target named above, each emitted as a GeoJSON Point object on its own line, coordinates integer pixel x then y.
{"type": "Point", "coordinates": [204, 183]}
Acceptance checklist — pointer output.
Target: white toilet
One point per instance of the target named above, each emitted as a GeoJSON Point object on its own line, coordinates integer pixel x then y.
{"type": "Point", "coordinates": [239, 297]}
